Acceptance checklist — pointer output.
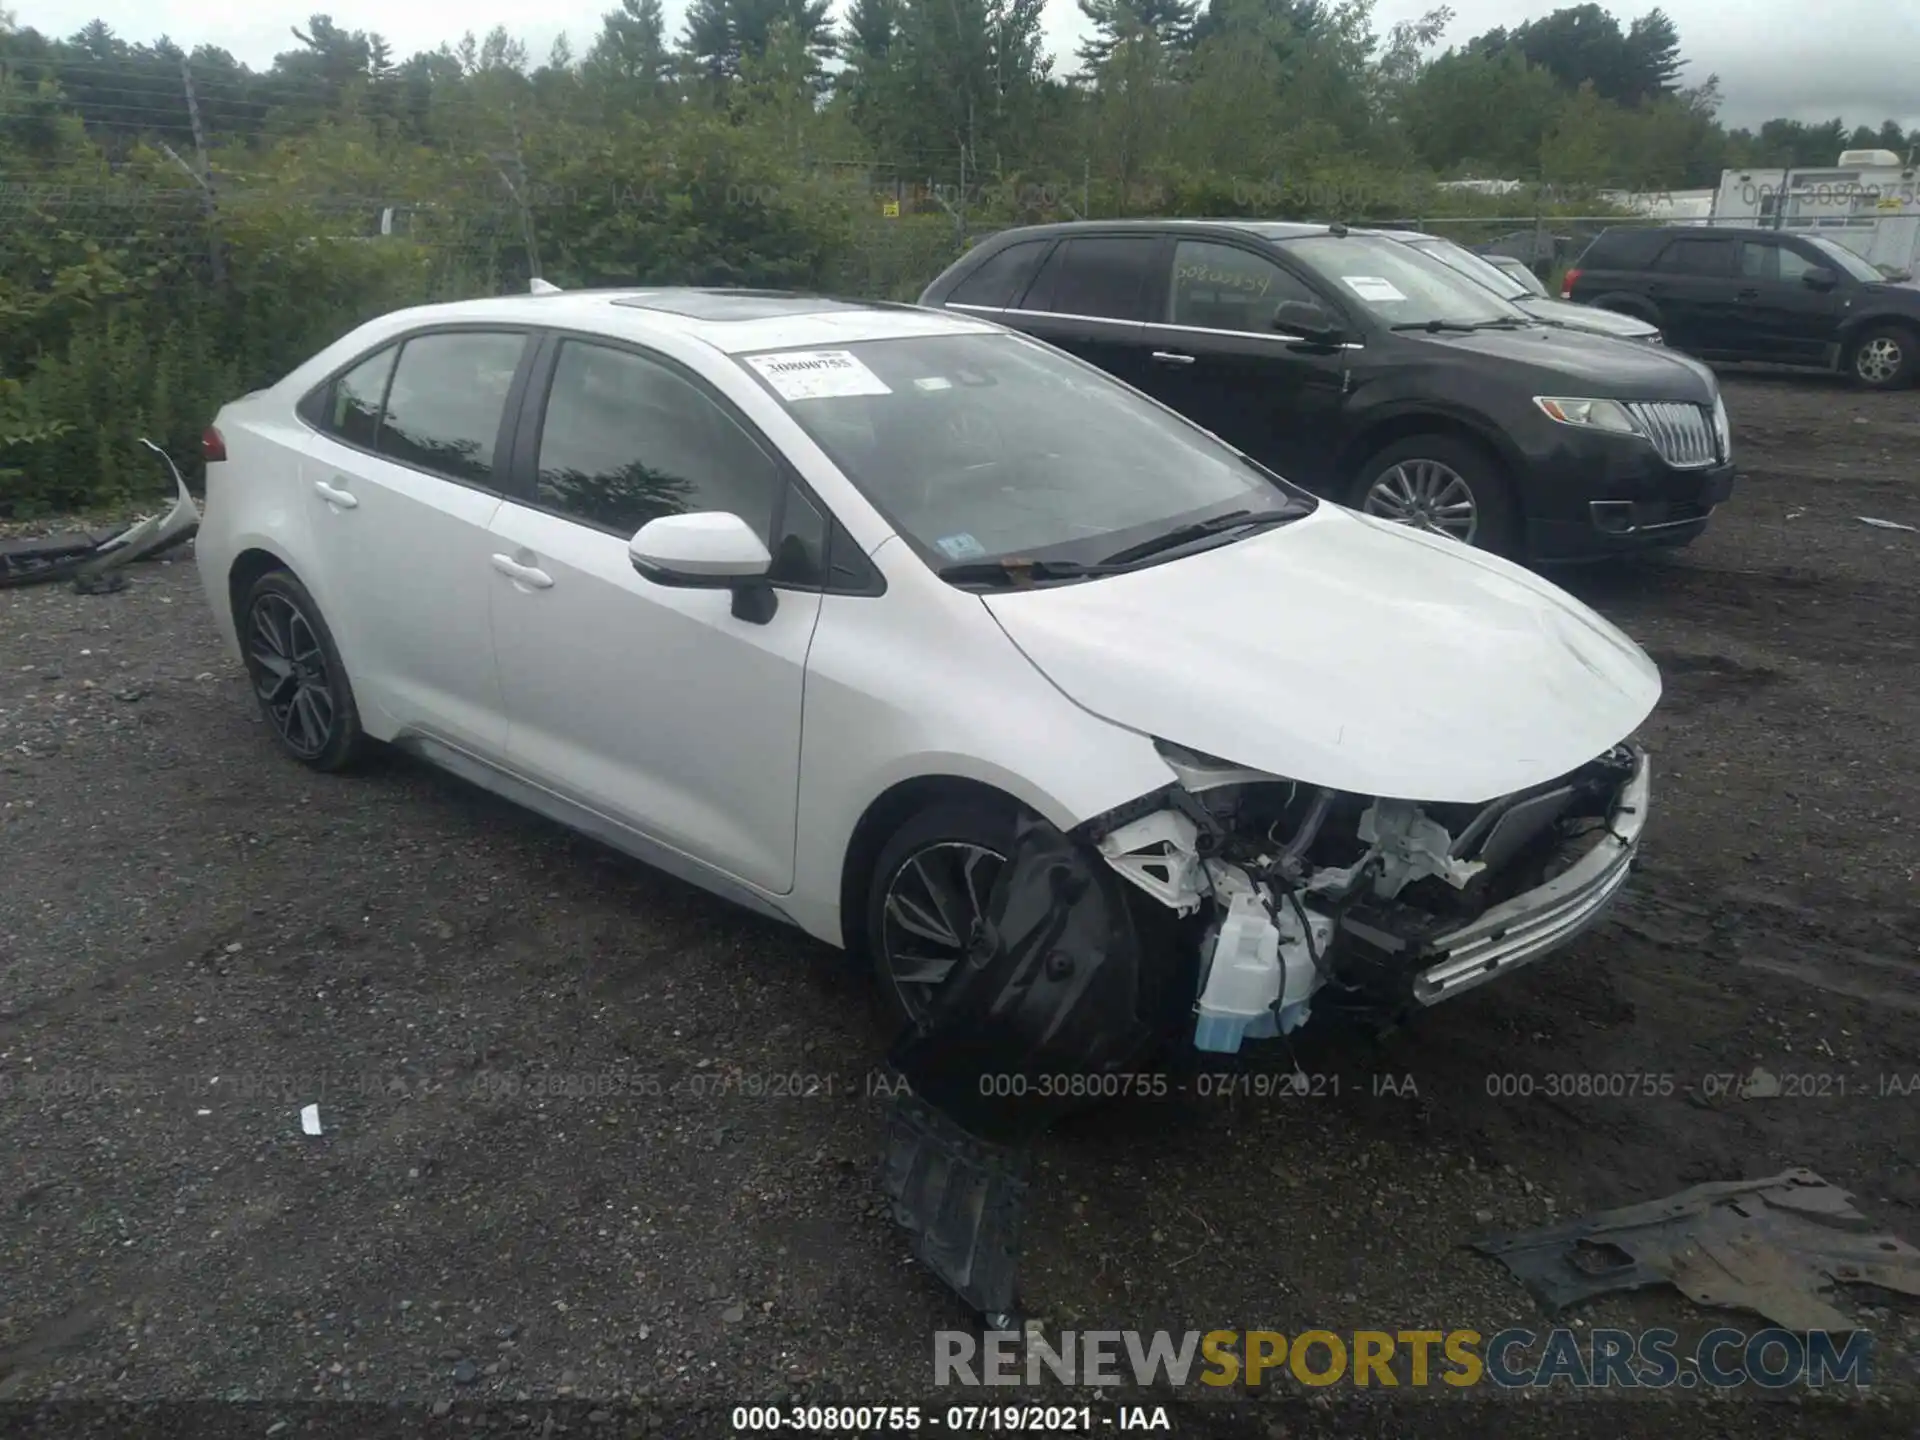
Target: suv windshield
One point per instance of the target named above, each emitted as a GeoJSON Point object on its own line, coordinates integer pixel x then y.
{"type": "Point", "coordinates": [1482, 272]}
{"type": "Point", "coordinates": [979, 448]}
{"type": "Point", "coordinates": [1844, 260]}
{"type": "Point", "coordinates": [1400, 286]}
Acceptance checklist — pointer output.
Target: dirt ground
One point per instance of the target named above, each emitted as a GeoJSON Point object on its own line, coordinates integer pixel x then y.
{"type": "Point", "coordinates": [562, 1155]}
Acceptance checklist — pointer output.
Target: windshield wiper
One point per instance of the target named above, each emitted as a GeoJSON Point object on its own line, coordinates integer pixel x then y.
{"type": "Point", "coordinates": [1201, 529]}
{"type": "Point", "coordinates": [1020, 573]}
{"type": "Point", "coordinates": [1463, 326]}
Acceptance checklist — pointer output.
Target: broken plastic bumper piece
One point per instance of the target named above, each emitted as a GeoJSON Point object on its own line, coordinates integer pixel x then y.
{"type": "Point", "coordinates": [1543, 919]}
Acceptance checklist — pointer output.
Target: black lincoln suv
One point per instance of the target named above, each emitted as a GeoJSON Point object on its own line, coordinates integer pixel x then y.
{"type": "Point", "coordinates": [1756, 295]}
{"type": "Point", "coordinates": [1372, 374]}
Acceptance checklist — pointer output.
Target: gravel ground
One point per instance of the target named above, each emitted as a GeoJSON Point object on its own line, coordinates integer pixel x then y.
{"type": "Point", "coordinates": [590, 1135]}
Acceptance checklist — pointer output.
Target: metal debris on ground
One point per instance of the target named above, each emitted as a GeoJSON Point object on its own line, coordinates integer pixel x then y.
{"type": "Point", "coordinates": [1772, 1246]}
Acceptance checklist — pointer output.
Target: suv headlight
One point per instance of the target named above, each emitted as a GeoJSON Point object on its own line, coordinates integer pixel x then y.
{"type": "Point", "coordinates": [1591, 414]}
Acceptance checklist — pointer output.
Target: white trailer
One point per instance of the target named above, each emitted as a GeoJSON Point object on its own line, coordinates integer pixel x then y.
{"type": "Point", "coordinates": [1869, 202]}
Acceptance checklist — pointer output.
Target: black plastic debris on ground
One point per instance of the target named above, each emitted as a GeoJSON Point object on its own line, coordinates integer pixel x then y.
{"type": "Point", "coordinates": [1050, 989]}
{"type": "Point", "coordinates": [961, 1199]}
{"type": "Point", "coordinates": [1772, 1246]}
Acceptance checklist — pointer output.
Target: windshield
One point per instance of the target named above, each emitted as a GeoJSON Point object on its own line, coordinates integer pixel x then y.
{"type": "Point", "coordinates": [1399, 285]}
{"type": "Point", "coordinates": [1844, 260]}
{"type": "Point", "coordinates": [1465, 262]}
{"type": "Point", "coordinates": [987, 447]}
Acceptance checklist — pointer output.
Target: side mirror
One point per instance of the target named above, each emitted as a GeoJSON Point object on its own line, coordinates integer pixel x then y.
{"type": "Point", "coordinates": [1308, 319]}
{"type": "Point", "coordinates": [1820, 277]}
{"type": "Point", "coordinates": [709, 550]}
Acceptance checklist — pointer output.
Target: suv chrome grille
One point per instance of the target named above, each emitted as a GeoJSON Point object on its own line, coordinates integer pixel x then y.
{"type": "Point", "coordinates": [1683, 434]}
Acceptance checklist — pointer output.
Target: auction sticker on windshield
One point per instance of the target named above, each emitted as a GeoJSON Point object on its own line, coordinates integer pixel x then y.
{"type": "Point", "coordinates": [818, 375]}
{"type": "Point", "coordinates": [1373, 287]}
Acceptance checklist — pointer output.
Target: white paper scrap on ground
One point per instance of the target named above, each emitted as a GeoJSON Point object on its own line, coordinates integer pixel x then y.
{"type": "Point", "coordinates": [310, 1119]}
{"type": "Point", "coordinates": [1882, 524]}
{"type": "Point", "coordinates": [818, 375]}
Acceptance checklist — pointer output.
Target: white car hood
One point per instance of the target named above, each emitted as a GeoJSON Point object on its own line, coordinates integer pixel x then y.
{"type": "Point", "coordinates": [1348, 652]}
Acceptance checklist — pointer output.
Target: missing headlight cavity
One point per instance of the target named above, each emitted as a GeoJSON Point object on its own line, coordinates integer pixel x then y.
{"type": "Point", "coordinates": [1307, 895]}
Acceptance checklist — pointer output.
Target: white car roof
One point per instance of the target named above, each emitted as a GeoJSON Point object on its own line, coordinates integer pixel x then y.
{"type": "Point", "coordinates": [734, 322]}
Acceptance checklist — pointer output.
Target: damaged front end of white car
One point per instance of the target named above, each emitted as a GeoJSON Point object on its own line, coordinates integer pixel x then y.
{"type": "Point", "coordinates": [1229, 907]}
{"type": "Point", "coordinates": [1380, 906]}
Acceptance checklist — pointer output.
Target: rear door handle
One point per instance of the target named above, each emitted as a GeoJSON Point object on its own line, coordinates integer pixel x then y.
{"type": "Point", "coordinates": [1746, 294]}
{"type": "Point", "coordinates": [339, 499]}
{"type": "Point", "coordinates": [1172, 357]}
{"type": "Point", "coordinates": [524, 574]}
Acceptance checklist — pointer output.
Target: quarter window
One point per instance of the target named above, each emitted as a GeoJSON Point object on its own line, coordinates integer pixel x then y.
{"type": "Point", "coordinates": [1222, 287]}
{"type": "Point", "coordinates": [626, 440]}
{"type": "Point", "coordinates": [1699, 257]}
{"type": "Point", "coordinates": [1001, 279]}
{"type": "Point", "coordinates": [444, 407]}
{"type": "Point", "coordinates": [353, 401]}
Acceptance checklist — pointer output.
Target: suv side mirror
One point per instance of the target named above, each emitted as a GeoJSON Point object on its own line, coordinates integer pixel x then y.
{"type": "Point", "coordinates": [708, 550]}
{"type": "Point", "coordinates": [1308, 319]}
{"type": "Point", "coordinates": [1820, 277]}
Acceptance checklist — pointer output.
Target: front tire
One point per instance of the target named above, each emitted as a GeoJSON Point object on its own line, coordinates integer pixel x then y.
{"type": "Point", "coordinates": [297, 674]}
{"type": "Point", "coordinates": [930, 885]}
{"type": "Point", "coordinates": [1883, 358]}
{"type": "Point", "coordinates": [1441, 484]}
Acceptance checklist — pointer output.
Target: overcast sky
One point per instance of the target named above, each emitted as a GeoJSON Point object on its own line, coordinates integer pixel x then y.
{"type": "Point", "coordinates": [1851, 58]}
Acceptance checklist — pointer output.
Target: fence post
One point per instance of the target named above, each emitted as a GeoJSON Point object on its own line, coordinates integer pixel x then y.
{"type": "Point", "coordinates": [204, 174]}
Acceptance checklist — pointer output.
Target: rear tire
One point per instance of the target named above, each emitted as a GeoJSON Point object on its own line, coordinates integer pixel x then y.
{"type": "Point", "coordinates": [1442, 484]}
{"type": "Point", "coordinates": [1883, 357]}
{"type": "Point", "coordinates": [298, 678]}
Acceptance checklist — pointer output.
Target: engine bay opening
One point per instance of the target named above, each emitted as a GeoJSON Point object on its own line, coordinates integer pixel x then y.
{"type": "Point", "coordinates": [1307, 892]}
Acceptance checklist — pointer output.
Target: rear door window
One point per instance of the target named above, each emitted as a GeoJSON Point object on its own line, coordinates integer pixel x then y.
{"type": "Point", "coordinates": [1100, 276]}
{"type": "Point", "coordinates": [444, 406]}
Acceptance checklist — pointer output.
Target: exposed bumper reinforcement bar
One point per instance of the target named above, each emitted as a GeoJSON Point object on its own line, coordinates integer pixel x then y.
{"type": "Point", "coordinates": [1543, 919]}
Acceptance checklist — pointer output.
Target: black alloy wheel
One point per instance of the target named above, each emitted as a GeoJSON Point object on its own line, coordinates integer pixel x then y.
{"type": "Point", "coordinates": [930, 888]}
{"type": "Point", "coordinates": [297, 675]}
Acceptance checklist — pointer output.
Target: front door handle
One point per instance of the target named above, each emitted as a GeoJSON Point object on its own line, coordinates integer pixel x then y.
{"type": "Point", "coordinates": [1172, 357]}
{"type": "Point", "coordinates": [526, 575]}
{"type": "Point", "coordinates": [1746, 294]}
{"type": "Point", "coordinates": [339, 499]}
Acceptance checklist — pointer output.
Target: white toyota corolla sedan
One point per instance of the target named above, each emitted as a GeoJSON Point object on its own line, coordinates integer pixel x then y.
{"type": "Point", "coordinates": [926, 637]}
